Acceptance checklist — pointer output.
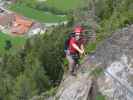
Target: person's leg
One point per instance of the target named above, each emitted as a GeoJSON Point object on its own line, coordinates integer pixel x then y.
{"type": "Point", "coordinates": [71, 63]}
{"type": "Point", "coordinates": [76, 65]}
{"type": "Point", "coordinates": [76, 60]}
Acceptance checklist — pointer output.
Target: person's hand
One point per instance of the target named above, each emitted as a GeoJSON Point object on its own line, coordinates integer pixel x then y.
{"type": "Point", "coordinates": [82, 52]}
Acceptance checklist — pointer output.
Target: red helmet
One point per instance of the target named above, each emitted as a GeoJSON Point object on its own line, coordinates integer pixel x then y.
{"type": "Point", "coordinates": [78, 29]}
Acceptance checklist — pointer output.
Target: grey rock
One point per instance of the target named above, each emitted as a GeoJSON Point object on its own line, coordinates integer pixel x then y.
{"type": "Point", "coordinates": [116, 55]}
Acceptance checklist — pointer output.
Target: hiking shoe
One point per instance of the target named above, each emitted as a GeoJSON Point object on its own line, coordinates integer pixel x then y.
{"type": "Point", "coordinates": [73, 74]}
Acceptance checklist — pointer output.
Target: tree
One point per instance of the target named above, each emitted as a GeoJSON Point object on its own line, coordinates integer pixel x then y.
{"type": "Point", "coordinates": [24, 88]}
{"type": "Point", "coordinates": [34, 70]}
{"type": "Point", "coordinates": [6, 83]}
{"type": "Point", "coordinates": [49, 51]}
{"type": "Point", "coordinates": [13, 64]}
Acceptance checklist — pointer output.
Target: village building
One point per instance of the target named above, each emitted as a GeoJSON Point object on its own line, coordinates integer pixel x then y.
{"type": "Point", "coordinates": [20, 25]}
{"type": "Point", "coordinates": [37, 28]}
{"type": "Point", "coordinates": [13, 23]}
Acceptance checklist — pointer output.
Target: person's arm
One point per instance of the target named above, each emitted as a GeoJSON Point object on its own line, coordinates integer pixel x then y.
{"type": "Point", "coordinates": [78, 49]}
{"type": "Point", "coordinates": [82, 47]}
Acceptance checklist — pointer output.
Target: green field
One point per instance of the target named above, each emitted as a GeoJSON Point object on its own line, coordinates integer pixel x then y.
{"type": "Point", "coordinates": [65, 4]}
{"type": "Point", "coordinates": [48, 17]}
{"type": "Point", "coordinates": [16, 41]}
{"type": "Point", "coordinates": [37, 15]}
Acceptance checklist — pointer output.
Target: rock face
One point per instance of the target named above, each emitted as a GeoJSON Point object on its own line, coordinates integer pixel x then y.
{"type": "Point", "coordinates": [79, 90]}
{"type": "Point", "coordinates": [76, 87]}
{"type": "Point", "coordinates": [113, 48]}
{"type": "Point", "coordinates": [115, 56]}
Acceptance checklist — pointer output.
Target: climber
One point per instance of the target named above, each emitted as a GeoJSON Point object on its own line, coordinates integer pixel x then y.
{"type": "Point", "coordinates": [74, 49]}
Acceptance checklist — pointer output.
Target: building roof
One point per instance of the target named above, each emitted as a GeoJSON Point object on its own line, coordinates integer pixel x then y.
{"type": "Point", "coordinates": [21, 25]}
{"type": "Point", "coordinates": [6, 19]}
{"type": "Point", "coordinates": [36, 25]}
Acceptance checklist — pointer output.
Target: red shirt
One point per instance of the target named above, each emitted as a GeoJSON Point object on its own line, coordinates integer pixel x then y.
{"type": "Point", "coordinates": [71, 42]}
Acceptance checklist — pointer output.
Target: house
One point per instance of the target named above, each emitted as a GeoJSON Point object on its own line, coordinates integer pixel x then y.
{"type": "Point", "coordinates": [37, 28]}
{"type": "Point", "coordinates": [14, 23]}
{"type": "Point", "coordinates": [11, 1]}
{"type": "Point", "coordinates": [20, 25]}
{"type": "Point", "coordinates": [5, 17]}
{"type": "Point", "coordinates": [6, 20]}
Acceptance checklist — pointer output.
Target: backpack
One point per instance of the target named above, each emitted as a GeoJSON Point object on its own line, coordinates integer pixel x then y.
{"type": "Point", "coordinates": [66, 44]}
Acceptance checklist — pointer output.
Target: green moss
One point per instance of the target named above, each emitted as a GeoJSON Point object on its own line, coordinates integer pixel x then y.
{"type": "Point", "coordinates": [97, 71]}
{"type": "Point", "coordinates": [50, 92]}
{"type": "Point", "coordinates": [90, 48]}
{"type": "Point", "coordinates": [100, 97]}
